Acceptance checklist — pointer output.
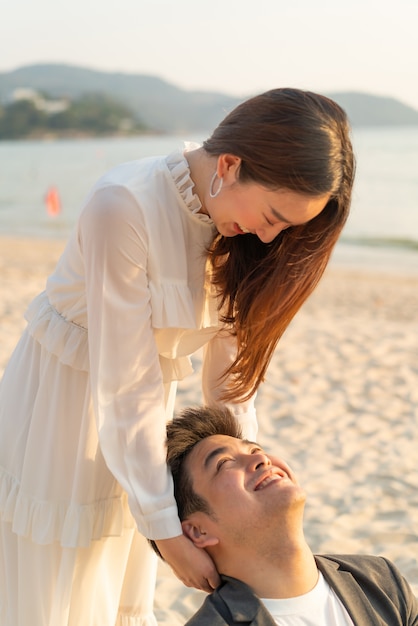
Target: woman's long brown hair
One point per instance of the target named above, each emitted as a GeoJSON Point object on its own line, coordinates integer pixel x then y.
{"type": "Point", "coordinates": [286, 139]}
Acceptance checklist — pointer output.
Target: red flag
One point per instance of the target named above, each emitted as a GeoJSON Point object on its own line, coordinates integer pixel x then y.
{"type": "Point", "coordinates": [53, 202]}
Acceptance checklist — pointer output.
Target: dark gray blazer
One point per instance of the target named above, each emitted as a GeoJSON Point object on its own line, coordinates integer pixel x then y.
{"type": "Point", "coordinates": [371, 589]}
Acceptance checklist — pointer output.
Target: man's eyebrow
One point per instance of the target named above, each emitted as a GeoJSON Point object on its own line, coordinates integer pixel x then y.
{"type": "Point", "coordinates": [215, 452]}
{"type": "Point", "coordinates": [279, 216]}
{"type": "Point", "coordinates": [250, 443]}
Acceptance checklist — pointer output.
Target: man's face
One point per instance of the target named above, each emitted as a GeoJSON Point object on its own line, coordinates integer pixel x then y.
{"type": "Point", "coordinates": [247, 490]}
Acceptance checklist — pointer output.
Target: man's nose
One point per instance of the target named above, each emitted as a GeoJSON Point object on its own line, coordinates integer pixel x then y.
{"type": "Point", "coordinates": [259, 459]}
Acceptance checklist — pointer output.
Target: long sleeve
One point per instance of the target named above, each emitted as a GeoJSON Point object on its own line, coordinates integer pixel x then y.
{"type": "Point", "coordinates": [126, 380]}
{"type": "Point", "coordinates": [218, 354]}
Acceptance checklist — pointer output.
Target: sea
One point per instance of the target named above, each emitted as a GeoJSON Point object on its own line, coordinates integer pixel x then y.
{"type": "Point", "coordinates": [381, 232]}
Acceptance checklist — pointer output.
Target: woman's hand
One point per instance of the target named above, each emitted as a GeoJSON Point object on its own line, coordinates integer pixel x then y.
{"type": "Point", "coordinates": [193, 566]}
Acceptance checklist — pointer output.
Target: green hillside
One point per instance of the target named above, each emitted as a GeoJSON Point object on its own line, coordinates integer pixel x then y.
{"type": "Point", "coordinates": [163, 107]}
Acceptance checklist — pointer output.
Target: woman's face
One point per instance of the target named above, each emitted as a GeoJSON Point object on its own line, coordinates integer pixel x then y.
{"type": "Point", "coordinates": [242, 208]}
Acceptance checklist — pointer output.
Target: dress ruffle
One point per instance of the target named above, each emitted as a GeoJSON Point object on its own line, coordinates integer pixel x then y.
{"type": "Point", "coordinates": [69, 524]}
{"type": "Point", "coordinates": [66, 340]}
{"type": "Point", "coordinates": [172, 306]}
{"type": "Point", "coordinates": [175, 369]}
{"type": "Point", "coordinates": [136, 620]}
{"type": "Point", "coordinates": [180, 172]}
{"type": "Point", "coordinates": [176, 306]}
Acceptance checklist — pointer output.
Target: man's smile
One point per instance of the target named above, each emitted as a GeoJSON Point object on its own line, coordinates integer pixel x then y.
{"type": "Point", "coordinates": [267, 480]}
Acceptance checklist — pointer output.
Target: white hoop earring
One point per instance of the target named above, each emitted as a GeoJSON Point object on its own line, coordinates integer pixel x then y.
{"type": "Point", "coordinates": [218, 191]}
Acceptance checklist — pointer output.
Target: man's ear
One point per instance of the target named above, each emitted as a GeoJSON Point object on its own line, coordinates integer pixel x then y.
{"type": "Point", "coordinates": [199, 533]}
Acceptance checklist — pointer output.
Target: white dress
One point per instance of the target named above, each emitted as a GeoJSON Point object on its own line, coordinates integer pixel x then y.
{"type": "Point", "coordinates": [83, 413]}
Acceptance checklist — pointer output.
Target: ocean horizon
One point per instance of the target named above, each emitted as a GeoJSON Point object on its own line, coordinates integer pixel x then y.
{"type": "Point", "coordinates": [382, 229]}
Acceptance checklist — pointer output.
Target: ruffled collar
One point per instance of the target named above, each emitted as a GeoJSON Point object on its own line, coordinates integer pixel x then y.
{"type": "Point", "coordinates": [180, 172]}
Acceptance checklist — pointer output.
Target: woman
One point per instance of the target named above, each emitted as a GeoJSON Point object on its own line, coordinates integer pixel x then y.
{"type": "Point", "coordinates": [214, 246]}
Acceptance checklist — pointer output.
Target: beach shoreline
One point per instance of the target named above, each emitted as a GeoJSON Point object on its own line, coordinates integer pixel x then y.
{"type": "Point", "coordinates": [340, 404]}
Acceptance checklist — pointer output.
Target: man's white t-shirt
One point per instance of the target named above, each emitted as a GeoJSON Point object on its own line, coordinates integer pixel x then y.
{"type": "Point", "coordinates": [319, 607]}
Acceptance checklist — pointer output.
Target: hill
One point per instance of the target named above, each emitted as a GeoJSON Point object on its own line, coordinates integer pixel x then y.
{"type": "Point", "coordinates": [164, 107]}
{"type": "Point", "coordinates": [369, 110]}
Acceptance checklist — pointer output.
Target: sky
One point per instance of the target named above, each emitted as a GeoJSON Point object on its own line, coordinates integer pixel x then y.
{"type": "Point", "coordinates": [239, 47]}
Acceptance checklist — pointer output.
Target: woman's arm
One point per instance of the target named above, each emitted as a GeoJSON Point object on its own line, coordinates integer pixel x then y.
{"type": "Point", "coordinates": [126, 381]}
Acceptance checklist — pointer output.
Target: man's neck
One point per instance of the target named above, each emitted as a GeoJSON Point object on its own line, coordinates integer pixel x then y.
{"type": "Point", "coordinates": [285, 573]}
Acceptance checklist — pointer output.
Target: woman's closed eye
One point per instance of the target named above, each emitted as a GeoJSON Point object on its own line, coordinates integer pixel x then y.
{"type": "Point", "coordinates": [270, 222]}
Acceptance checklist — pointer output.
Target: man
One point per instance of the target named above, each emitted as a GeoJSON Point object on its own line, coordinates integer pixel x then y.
{"type": "Point", "coordinates": [245, 508]}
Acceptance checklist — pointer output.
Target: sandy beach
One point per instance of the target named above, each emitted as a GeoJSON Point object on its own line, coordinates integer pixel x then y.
{"type": "Point", "coordinates": [340, 404]}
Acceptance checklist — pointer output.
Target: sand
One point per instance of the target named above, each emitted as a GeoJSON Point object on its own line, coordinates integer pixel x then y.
{"type": "Point", "coordinates": [340, 404]}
